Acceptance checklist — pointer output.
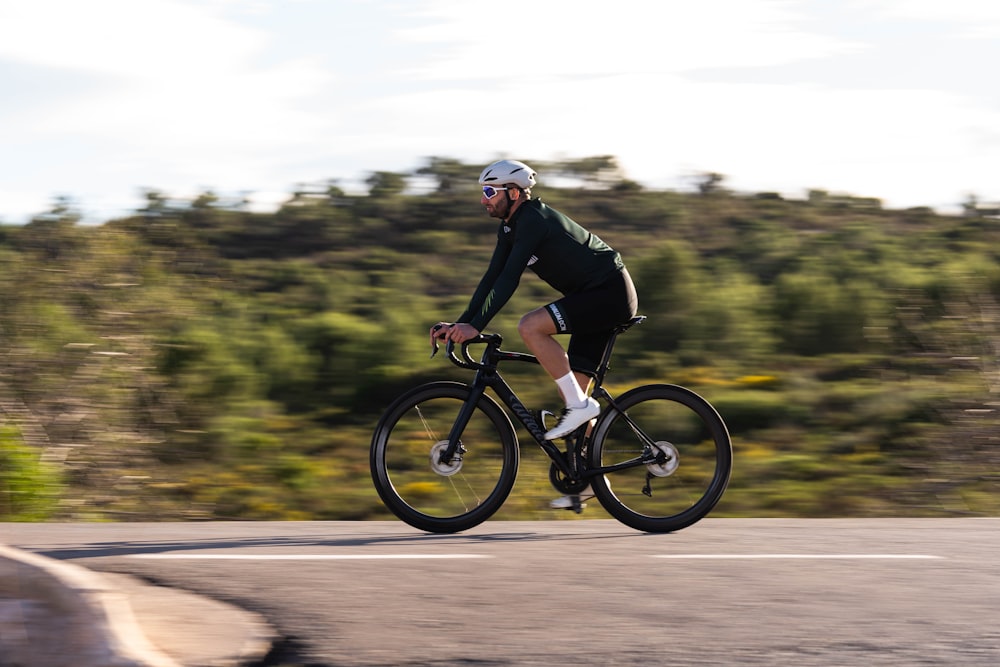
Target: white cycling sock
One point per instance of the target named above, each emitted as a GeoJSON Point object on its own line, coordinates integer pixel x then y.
{"type": "Point", "coordinates": [571, 391]}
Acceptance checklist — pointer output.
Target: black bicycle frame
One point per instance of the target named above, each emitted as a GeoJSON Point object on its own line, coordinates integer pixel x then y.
{"type": "Point", "coordinates": [487, 375]}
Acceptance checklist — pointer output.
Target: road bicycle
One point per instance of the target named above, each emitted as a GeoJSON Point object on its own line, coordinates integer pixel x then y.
{"type": "Point", "coordinates": [444, 455]}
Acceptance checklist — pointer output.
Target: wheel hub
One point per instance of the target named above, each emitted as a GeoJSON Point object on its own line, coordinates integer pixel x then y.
{"type": "Point", "coordinates": [445, 468]}
{"type": "Point", "coordinates": [667, 459]}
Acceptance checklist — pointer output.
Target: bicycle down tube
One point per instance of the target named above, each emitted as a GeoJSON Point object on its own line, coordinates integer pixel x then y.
{"type": "Point", "coordinates": [488, 376]}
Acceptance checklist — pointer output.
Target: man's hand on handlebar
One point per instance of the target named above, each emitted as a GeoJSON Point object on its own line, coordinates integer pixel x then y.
{"type": "Point", "coordinates": [456, 333]}
{"type": "Point", "coordinates": [459, 333]}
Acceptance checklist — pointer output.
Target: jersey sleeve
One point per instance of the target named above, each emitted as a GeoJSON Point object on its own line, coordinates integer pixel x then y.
{"type": "Point", "coordinates": [502, 277]}
{"type": "Point", "coordinates": [483, 295]}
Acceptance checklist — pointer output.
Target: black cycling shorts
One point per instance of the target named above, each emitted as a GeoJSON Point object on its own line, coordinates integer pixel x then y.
{"type": "Point", "coordinates": [591, 316]}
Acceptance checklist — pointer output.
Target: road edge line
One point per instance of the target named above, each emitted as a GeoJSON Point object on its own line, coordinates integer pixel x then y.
{"type": "Point", "coordinates": [101, 631]}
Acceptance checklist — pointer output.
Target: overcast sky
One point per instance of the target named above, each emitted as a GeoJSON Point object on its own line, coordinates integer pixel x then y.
{"type": "Point", "coordinates": [896, 99]}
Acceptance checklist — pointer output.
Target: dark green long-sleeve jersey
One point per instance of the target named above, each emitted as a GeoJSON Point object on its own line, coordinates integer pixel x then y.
{"type": "Point", "coordinates": [557, 249]}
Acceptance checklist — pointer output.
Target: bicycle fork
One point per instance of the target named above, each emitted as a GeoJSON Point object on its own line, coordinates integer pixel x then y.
{"type": "Point", "coordinates": [455, 446]}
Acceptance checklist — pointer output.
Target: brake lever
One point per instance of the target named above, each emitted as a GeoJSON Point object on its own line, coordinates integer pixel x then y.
{"type": "Point", "coordinates": [434, 343]}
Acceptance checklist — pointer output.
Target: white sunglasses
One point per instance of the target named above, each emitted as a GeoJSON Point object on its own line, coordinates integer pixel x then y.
{"type": "Point", "coordinates": [491, 191]}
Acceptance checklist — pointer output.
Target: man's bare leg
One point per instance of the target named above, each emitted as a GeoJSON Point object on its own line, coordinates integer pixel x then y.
{"type": "Point", "coordinates": [536, 329]}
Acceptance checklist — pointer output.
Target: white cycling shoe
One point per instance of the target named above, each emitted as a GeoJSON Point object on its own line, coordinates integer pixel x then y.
{"type": "Point", "coordinates": [573, 418]}
{"type": "Point", "coordinates": [566, 502]}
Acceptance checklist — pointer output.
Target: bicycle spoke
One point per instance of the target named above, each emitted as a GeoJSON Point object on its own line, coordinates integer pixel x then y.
{"type": "Point", "coordinates": [427, 427]}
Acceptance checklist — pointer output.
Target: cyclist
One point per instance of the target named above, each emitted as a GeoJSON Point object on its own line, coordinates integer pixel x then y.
{"type": "Point", "coordinates": [597, 290]}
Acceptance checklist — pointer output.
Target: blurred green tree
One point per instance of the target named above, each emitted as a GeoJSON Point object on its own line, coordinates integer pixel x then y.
{"type": "Point", "coordinates": [30, 488]}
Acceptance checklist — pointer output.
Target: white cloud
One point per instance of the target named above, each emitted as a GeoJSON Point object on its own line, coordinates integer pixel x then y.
{"type": "Point", "coordinates": [181, 96]}
{"type": "Point", "coordinates": [123, 38]}
{"type": "Point", "coordinates": [237, 95]}
{"type": "Point", "coordinates": [981, 18]}
{"type": "Point", "coordinates": [590, 38]}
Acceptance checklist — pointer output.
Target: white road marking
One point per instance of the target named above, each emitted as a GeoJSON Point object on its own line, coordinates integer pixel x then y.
{"type": "Point", "coordinates": [184, 556]}
{"type": "Point", "coordinates": [800, 556]}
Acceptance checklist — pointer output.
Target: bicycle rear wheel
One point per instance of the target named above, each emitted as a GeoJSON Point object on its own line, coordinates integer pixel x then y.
{"type": "Point", "coordinates": [409, 476]}
{"type": "Point", "coordinates": [693, 466]}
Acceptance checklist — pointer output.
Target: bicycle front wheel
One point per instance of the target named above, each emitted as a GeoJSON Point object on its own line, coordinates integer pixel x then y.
{"type": "Point", "coordinates": [688, 452]}
{"type": "Point", "coordinates": [406, 466]}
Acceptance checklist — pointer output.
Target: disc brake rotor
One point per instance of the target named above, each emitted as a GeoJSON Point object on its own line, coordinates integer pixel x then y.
{"type": "Point", "coordinates": [449, 468]}
{"type": "Point", "coordinates": [668, 466]}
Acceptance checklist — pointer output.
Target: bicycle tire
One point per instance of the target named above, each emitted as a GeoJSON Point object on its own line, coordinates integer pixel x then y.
{"type": "Point", "coordinates": [684, 486]}
{"type": "Point", "coordinates": [435, 497]}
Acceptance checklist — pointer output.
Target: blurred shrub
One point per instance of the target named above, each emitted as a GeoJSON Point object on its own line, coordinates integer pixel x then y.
{"type": "Point", "coordinates": [30, 487]}
{"type": "Point", "coordinates": [752, 409]}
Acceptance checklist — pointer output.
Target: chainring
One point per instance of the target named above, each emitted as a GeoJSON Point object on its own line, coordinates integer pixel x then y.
{"type": "Point", "coordinates": [564, 485]}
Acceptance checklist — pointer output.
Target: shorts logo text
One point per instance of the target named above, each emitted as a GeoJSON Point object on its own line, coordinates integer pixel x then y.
{"type": "Point", "coordinates": [558, 317]}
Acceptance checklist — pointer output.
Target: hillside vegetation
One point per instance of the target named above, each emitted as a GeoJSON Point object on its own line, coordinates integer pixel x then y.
{"type": "Point", "coordinates": [199, 361]}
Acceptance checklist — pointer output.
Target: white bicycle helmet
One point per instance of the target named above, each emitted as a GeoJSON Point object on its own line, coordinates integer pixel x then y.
{"type": "Point", "coordinates": [508, 172]}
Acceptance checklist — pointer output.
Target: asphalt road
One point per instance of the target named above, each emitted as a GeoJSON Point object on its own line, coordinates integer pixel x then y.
{"type": "Point", "coordinates": [723, 592]}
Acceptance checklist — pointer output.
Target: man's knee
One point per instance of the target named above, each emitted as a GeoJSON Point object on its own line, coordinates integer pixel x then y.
{"type": "Point", "coordinates": [525, 326]}
{"type": "Point", "coordinates": [535, 323]}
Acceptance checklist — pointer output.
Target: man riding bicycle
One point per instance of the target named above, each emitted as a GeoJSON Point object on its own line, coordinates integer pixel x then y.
{"type": "Point", "coordinates": [598, 293]}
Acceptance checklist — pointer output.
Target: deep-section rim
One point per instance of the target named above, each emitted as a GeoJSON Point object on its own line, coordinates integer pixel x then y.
{"type": "Point", "coordinates": [720, 480]}
{"type": "Point", "coordinates": [384, 486]}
